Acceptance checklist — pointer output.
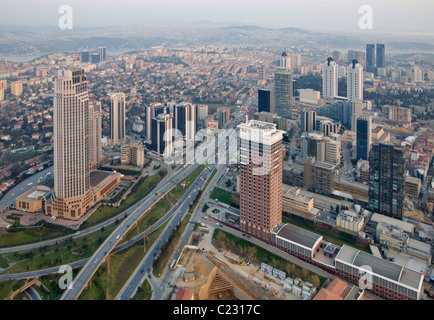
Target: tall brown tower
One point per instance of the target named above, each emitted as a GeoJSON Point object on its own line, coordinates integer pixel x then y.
{"type": "Point", "coordinates": [261, 157]}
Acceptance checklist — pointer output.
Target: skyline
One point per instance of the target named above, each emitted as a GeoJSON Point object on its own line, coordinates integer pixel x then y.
{"type": "Point", "coordinates": [388, 15]}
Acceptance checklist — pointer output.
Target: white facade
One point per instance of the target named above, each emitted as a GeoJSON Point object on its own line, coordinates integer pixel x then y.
{"type": "Point", "coordinates": [329, 79]}
{"type": "Point", "coordinates": [117, 118]}
{"type": "Point", "coordinates": [70, 126]}
{"type": "Point", "coordinates": [355, 81]}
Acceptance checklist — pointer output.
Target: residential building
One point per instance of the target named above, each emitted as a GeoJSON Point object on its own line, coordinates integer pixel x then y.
{"type": "Point", "coordinates": [117, 118]}
{"type": "Point", "coordinates": [330, 79]}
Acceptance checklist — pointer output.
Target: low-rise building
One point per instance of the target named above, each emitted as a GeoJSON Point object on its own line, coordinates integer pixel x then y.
{"type": "Point", "coordinates": [350, 221]}
{"type": "Point", "coordinates": [295, 203]}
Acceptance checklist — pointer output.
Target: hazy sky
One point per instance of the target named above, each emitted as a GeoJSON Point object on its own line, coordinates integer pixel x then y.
{"type": "Point", "coordinates": [388, 15]}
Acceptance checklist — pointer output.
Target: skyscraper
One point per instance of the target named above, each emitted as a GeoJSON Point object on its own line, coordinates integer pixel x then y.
{"type": "Point", "coordinates": [185, 119]}
{"type": "Point", "coordinates": [386, 180]}
{"type": "Point", "coordinates": [161, 141]}
{"type": "Point", "coordinates": [102, 53]}
{"type": "Point", "coordinates": [85, 56]}
{"type": "Point", "coordinates": [370, 58]}
{"type": "Point", "coordinates": [70, 128]}
{"type": "Point", "coordinates": [355, 81]}
{"type": "Point", "coordinates": [95, 58]}
{"type": "Point", "coordinates": [283, 92]}
{"type": "Point", "coordinates": [364, 139]}
{"type": "Point", "coordinates": [95, 132]}
{"type": "Point", "coordinates": [330, 79]}
{"type": "Point", "coordinates": [381, 55]}
{"type": "Point", "coordinates": [308, 121]}
{"type": "Point", "coordinates": [117, 118]}
{"type": "Point", "coordinates": [285, 61]}
{"type": "Point", "coordinates": [265, 100]}
{"type": "Point", "coordinates": [261, 157]}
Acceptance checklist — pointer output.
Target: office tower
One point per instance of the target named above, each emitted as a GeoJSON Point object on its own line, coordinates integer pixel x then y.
{"type": "Point", "coordinates": [370, 58]}
{"type": "Point", "coordinates": [355, 81]}
{"type": "Point", "coordinates": [262, 77]}
{"type": "Point", "coordinates": [95, 58]}
{"type": "Point", "coordinates": [364, 139]}
{"type": "Point", "coordinates": [386, 180]}
{"type": "Point", "coordinates": [117, 118]}
{"type": "Point", "coordinates": [159, 109]}
{"type": "Point", "coordinates": [102, 53]}
{"type": "Point", "coordinates": [16, 88]}
{"type": "Point", "coordinates": [224, 115]}
{"type": "Point", "coordinates": [149, 114]}
{"type": "Point", "coordinates": [285, 61]}
{"type": "Point", "coordinates": [283, 93]}
{"type": "Point", "coordinates": [330, 79]}
{"type": "Point", "coordinates": [70, 129]}
{"type": "Point", "coordinates": [95, 133]}
{"type": "Point", "coordinates": [332, 146]}
{"type": "Point", "coordinates": [185, 120]}
{"type": "Point", "coordinates": [191, 119]}
{"type": "Point", "coordinates": [161, 141]}
{"type": "Point", "coordinates": [381, 55]}
{"type": "Point", "coordinates": [85, 56]}
{"type": "Point", "coordinates": [297, 63]}
{"type": "Point", "coordinates": [308, 121]}
{"type": "Point", "coordinates": [322, 176]}
{"type": "Point", "coordinates": [202, 111]}
{"type": "Point", "coordinates": [261, 158]}
{"type": "Point", "coordinates": [356, 112]}
{"type": "Point", "coordinates": [265, 100]}
{"type": "Point", "coordinates": [170, 108]}
{"type": "Point", "coordinates": [416, 74]}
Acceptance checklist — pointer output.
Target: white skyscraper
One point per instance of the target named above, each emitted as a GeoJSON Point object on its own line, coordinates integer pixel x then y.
{"type": "Point", "coordinates": [355, 81]}
{"type": "Point", "coordinates": [70, 128]}
{"type": "Point", "coordinates": [285, 61]}
{"type": "Point", "coordinates": [117, 118]}
{"type": "Point", "coordinates": [330, 79]}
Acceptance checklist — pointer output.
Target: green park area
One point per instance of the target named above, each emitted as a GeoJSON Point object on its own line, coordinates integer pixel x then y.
{"type": "Point", "coordinates": [225, 197]}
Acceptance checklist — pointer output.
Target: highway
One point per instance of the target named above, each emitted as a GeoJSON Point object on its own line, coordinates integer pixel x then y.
{"type": "Point", "coordinates": [145, 266]}
{"type": "Point", "coordinates": [99, 256]}
{"type": "Point", "coordinates": [177, 212]}
{"type": "Point", "coordinates": [23, 187]}
{"type": "Point", "coordinates": [81, 233]}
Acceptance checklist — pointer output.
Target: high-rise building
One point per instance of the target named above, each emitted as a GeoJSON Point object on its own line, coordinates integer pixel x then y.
{"type": "Point", "coordinates": [261, 158]}
{"type": "Point", "coordinates": [386, 180]}
{"type": "Point", "coordinates": [308, 121]}
{"type": "Point", "coordinates": [95, 58]}
{"type": "Point", "coordinates": [416, 74]}
{"type": "Point", "coordinates": [185, 119]}
{"type": "Point", "coordinates": [117, 118]}
{"type": "Point", "coordinates": [370, 58]}
{"type": "Point", "coordinates": [355, 81]}
{"type": "Point", "coordinates": [285, 61]}
{"type": "Point", "coordinates": [202, 111]}
{"type": "Point", "coordinates": [381, 55]}
{"type": "Point", "coordinates": [95, 133]}
{"type": "Point", "coordinates": [16, 88]}
{"type": "Point", "coordinates": [330, 79]}
{"type": "Point", "coordinates": [161, 141]}
{"type": "Point", "coordinates": [224, 115]}
{"type": "Point", "coordinates": [102, 53]}
{"type": "Point", "coordinates": [70, 128]}
{"type": "Point", "coordinates": [85, 56]}
{"type": "Point", "coordinates": [283, 92]}
{"type": "Point", "coordinates": [262, 77]}
{"type": "Point", "coordinates": [148, 121]}
{"type": "Point", "coordinates": [265, 100]}
{"type": "Point", "coordinates": [364, 139]}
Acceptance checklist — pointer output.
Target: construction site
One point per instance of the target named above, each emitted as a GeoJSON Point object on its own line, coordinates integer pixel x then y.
{"type": "Point", "coordinates": [211, 274]}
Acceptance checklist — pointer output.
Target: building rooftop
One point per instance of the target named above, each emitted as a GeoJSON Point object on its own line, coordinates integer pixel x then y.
{"type": "Point", "coordinates": [301, 236]}
{"type": "Point", "coordinates": [405, 226]}
{"type": "Point", "coordinates": [380, 267]}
